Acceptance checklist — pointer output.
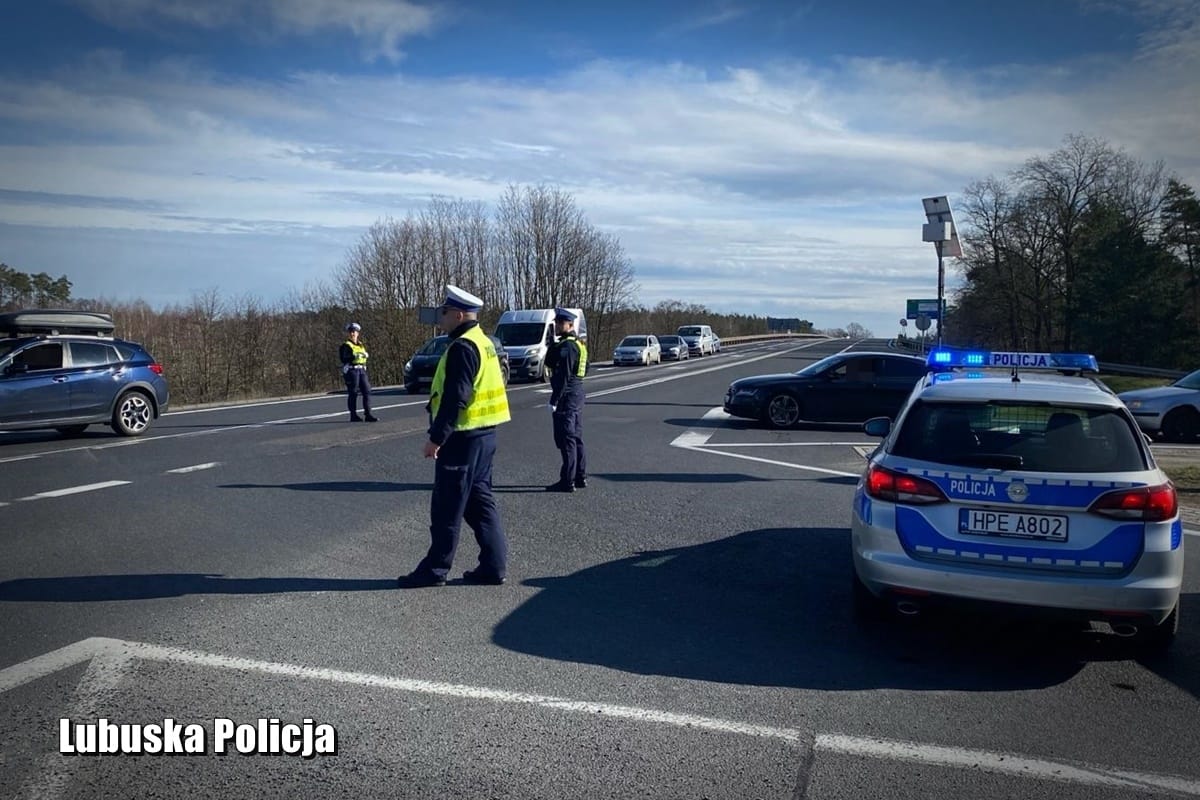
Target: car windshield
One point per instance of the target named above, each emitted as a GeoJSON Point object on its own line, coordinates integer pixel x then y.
{"type": "Point", "coordinates": [1034, 437]}
{"type": "Point", "coordinates": [1189, 381]}
{"type": "Point", "coordinates": [520, 334]}
{"type": "Point", "coordinates": [633, 341]}
{"type": "Point", "coordinates": [693, 330]}
{"type": "Point", "coordinates": [668, 340]}
{"type": "Point", "coordinates": [434, 347]}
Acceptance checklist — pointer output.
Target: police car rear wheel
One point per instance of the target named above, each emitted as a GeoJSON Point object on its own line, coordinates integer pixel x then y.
{"type": "Point", "coordinates": [1156, 639]}
{"type": "Point", "coordinates": [1181, 425]}
{"type": "Point", "coordinates": [783, 411]}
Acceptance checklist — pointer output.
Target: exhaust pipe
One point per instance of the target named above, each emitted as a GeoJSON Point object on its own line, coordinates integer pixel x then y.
{"type": "Point", "coordinates": [1125, 630]}
{"type": "Point", "coordinates": [908, 608]}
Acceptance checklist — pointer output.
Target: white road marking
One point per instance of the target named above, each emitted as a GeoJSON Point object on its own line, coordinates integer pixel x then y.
{"type": "Point", "coordinates": [787, 444]}
{"type": "Point", "coordinates": [117, 654]}
{"type": "Point", "coordinates": [90, 487]}
{"type": "Point", "coordinates": [99, 682]}
{"type": "Point", "coordinates": [698, 440]}
{"type": "Point", "coordinates": [194, 468]}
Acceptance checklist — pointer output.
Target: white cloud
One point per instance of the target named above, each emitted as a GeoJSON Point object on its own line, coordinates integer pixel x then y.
{"type": "Point", "coordinates": [381, 25]}
{"type": "Point", "coordinates": [776, 189]}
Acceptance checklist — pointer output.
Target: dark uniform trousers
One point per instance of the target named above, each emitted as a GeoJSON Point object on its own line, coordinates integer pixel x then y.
{"type": "Point", "coordinates": [568, 438]}
{"type": "Point", "coordinates": [356, 384]}
{"type": "Point", "coordinates": [462, 490]}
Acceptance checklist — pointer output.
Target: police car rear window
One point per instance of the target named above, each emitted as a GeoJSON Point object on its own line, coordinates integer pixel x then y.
{"type": "Point", "coordinates": [1033, 437]}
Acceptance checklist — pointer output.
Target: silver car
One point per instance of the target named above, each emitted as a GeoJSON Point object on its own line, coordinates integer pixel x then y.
{"type": "Point", "coordinates": [641, 349]}
{"type": "Point", "coordinates": [1029, 489]}
{"type": "Point", "coordinates": [1173, 411]}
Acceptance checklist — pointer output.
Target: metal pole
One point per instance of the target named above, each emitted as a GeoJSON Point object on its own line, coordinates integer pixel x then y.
{"type": "Point", "coordinates": [941, 292]}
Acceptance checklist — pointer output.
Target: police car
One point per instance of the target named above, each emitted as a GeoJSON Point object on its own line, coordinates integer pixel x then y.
{"type": "Point", "coordinates": [1018, 479]}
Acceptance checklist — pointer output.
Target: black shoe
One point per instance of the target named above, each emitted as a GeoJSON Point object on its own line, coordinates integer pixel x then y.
{"type": "Point", "coordinates": [355, 418]}
{"type": "Point", "coordinates": [372, 418]}
{"type": "Point", "coordinates": [560, 487]}
{"type": "Point", "coordinates": [419, 580]}
{"type": "Point", "coordinates": [479, 578]}
{"type": "Point", "coordinates": [581, 483]}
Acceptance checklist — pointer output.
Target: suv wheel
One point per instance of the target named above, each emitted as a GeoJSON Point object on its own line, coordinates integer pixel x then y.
{"type": "Point", "coordinates": [133, 414]}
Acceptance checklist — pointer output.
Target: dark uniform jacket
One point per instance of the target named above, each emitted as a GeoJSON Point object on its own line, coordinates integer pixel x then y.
{"type": "Point", "coordinates": [566, 386]}
{"type": "Point", "coordinates": [462, 363]}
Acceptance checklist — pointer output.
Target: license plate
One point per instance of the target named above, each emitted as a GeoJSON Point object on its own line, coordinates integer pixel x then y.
{"type": "Point", "coordinates": [1050, 527]}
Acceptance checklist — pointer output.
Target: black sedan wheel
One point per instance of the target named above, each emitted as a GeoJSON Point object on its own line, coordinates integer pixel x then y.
{"type": "Point", "coordinates": [1181, 425]}
{"type": "Point", "coordinates": [783, 411]}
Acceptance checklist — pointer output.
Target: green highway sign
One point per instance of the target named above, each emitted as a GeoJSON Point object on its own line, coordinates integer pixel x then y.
{"type": "Point", "coordinates": [929, 308]}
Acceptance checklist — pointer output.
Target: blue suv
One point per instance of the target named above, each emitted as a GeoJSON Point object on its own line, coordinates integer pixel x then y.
{"type": "Point", "coordinates": [64, 370]}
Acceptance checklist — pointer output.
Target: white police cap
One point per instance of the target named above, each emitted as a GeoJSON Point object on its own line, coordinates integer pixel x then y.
{"type": "Point", "coordinates": [353, 326]}
{"type": "Point", "coordinates": [458, 298]}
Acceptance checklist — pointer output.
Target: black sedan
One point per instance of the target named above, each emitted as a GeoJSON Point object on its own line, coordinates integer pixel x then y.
{"type": "Point", "coordinates": [847, 387]}
{"type": "Point", "coordinates": [418, 372]}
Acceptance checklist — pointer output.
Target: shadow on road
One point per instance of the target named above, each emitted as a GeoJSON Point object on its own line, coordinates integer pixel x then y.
{"type": "Point", "coordinates": [92, 588]}
{"type": "Point", "coordinates": [335, 486]}
{"type": "Point", "coordinates": [772, 607]}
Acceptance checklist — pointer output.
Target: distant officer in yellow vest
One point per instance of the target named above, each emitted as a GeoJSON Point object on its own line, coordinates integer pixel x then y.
{"type": "Point", "coordinates": [568, 361]}
{"type": "Point", "coordinates": [353, 355]}
{"type": "Point", "coordinates": [467, 401]}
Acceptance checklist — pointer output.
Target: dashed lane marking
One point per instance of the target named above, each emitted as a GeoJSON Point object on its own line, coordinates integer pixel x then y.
{"type": "Point", "coordinates": [90, 487]}
{"type": "Point", "coordinates": [114, 656]}
{"type": "Point", "coordinates": [193, 468]}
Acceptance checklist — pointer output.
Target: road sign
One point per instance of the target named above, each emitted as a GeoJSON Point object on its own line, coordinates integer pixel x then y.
{"type": "Point", "coordinates": [922, 322]}
{"type": "Point", "coordinates": [927, 307]}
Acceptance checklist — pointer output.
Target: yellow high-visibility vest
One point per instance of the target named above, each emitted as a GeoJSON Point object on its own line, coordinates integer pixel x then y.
{"type": "Point", "coordinates": [489, 400]}
{"type": "Point", "coordinates": [581, 370]}
{"type": "Point", "coordinates": [358, 354]}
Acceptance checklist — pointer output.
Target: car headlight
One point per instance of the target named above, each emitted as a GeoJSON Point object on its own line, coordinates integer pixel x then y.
{"type": "Point", "coordinates": [744, 392]}
{"type": "Point", "coordinates": [407, 367]}
{"type": "Point", "coordinates": [1135, 404]}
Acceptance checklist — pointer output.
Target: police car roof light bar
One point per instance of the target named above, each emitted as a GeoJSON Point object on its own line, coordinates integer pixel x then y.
{"type": "Point", "coordinates": [942, 359]}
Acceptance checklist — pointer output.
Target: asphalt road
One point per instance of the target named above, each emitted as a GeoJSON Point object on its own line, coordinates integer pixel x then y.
{"type": "Point", "coordinates": [680, 629]}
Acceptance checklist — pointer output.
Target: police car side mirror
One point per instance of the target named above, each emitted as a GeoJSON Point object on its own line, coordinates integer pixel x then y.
{"type": "Point", "coordinates": [877, 426]}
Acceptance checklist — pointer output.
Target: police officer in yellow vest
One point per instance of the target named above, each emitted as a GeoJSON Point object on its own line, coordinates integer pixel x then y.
{"type": "Point", "coordinates": [467, 401]}
{"type": "Point", "coordinates": [353, 355]}
{"type": "Point", "coordinates": [568, 364]}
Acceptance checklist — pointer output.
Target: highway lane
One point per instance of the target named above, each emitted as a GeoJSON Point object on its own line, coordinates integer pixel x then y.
{"type": "Point", "coordinates": [683, 582]}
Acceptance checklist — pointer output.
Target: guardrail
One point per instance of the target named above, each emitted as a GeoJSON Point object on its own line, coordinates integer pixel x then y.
{"type": "Point", "coordinates": [759, 337]}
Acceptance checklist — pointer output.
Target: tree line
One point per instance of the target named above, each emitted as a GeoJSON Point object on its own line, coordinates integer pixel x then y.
{"type": "Point", "coordinates": [1085, 249]}
{"type": "Point", "coordinates": [536, 251]}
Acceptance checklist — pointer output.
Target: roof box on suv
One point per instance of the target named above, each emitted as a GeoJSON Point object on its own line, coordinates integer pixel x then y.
{"type": "Point", "coordinates": [55, 322]}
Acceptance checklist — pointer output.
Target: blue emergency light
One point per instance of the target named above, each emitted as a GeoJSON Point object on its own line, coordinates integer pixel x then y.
{"type": "Point", "coordinates": [949, 359]}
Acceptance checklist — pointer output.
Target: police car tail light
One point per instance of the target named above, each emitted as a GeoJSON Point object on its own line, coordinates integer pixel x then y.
{"type": "Point", "coordinates": [1146, 503]}
{"type": "Point", "coordinates": [898, 487]}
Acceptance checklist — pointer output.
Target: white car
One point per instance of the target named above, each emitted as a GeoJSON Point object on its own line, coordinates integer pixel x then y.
{"type": "Point", "coordinates": [640, 349]}
{"type": "Point", "coordinates": [1018, 481]}
{"type": "Point", "coordinates": [1173, 411]}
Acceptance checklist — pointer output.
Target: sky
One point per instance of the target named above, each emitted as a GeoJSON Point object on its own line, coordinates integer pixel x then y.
{"type": "Point", "coordinates": [762, 158]}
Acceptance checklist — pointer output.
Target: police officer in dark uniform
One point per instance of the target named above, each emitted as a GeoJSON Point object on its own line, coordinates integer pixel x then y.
{"type": "Point", "coordinates": [467, 400]}
{"type": "Point", "coordinates": [568, 362]}
{"type": "Point", "coordinates": [353, 354]}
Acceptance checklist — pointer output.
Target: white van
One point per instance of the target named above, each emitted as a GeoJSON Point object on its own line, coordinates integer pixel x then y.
{"type": "Point", "coordinates": [527, 335]}
{"type": "Point", "coordinates": [700, 339]}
